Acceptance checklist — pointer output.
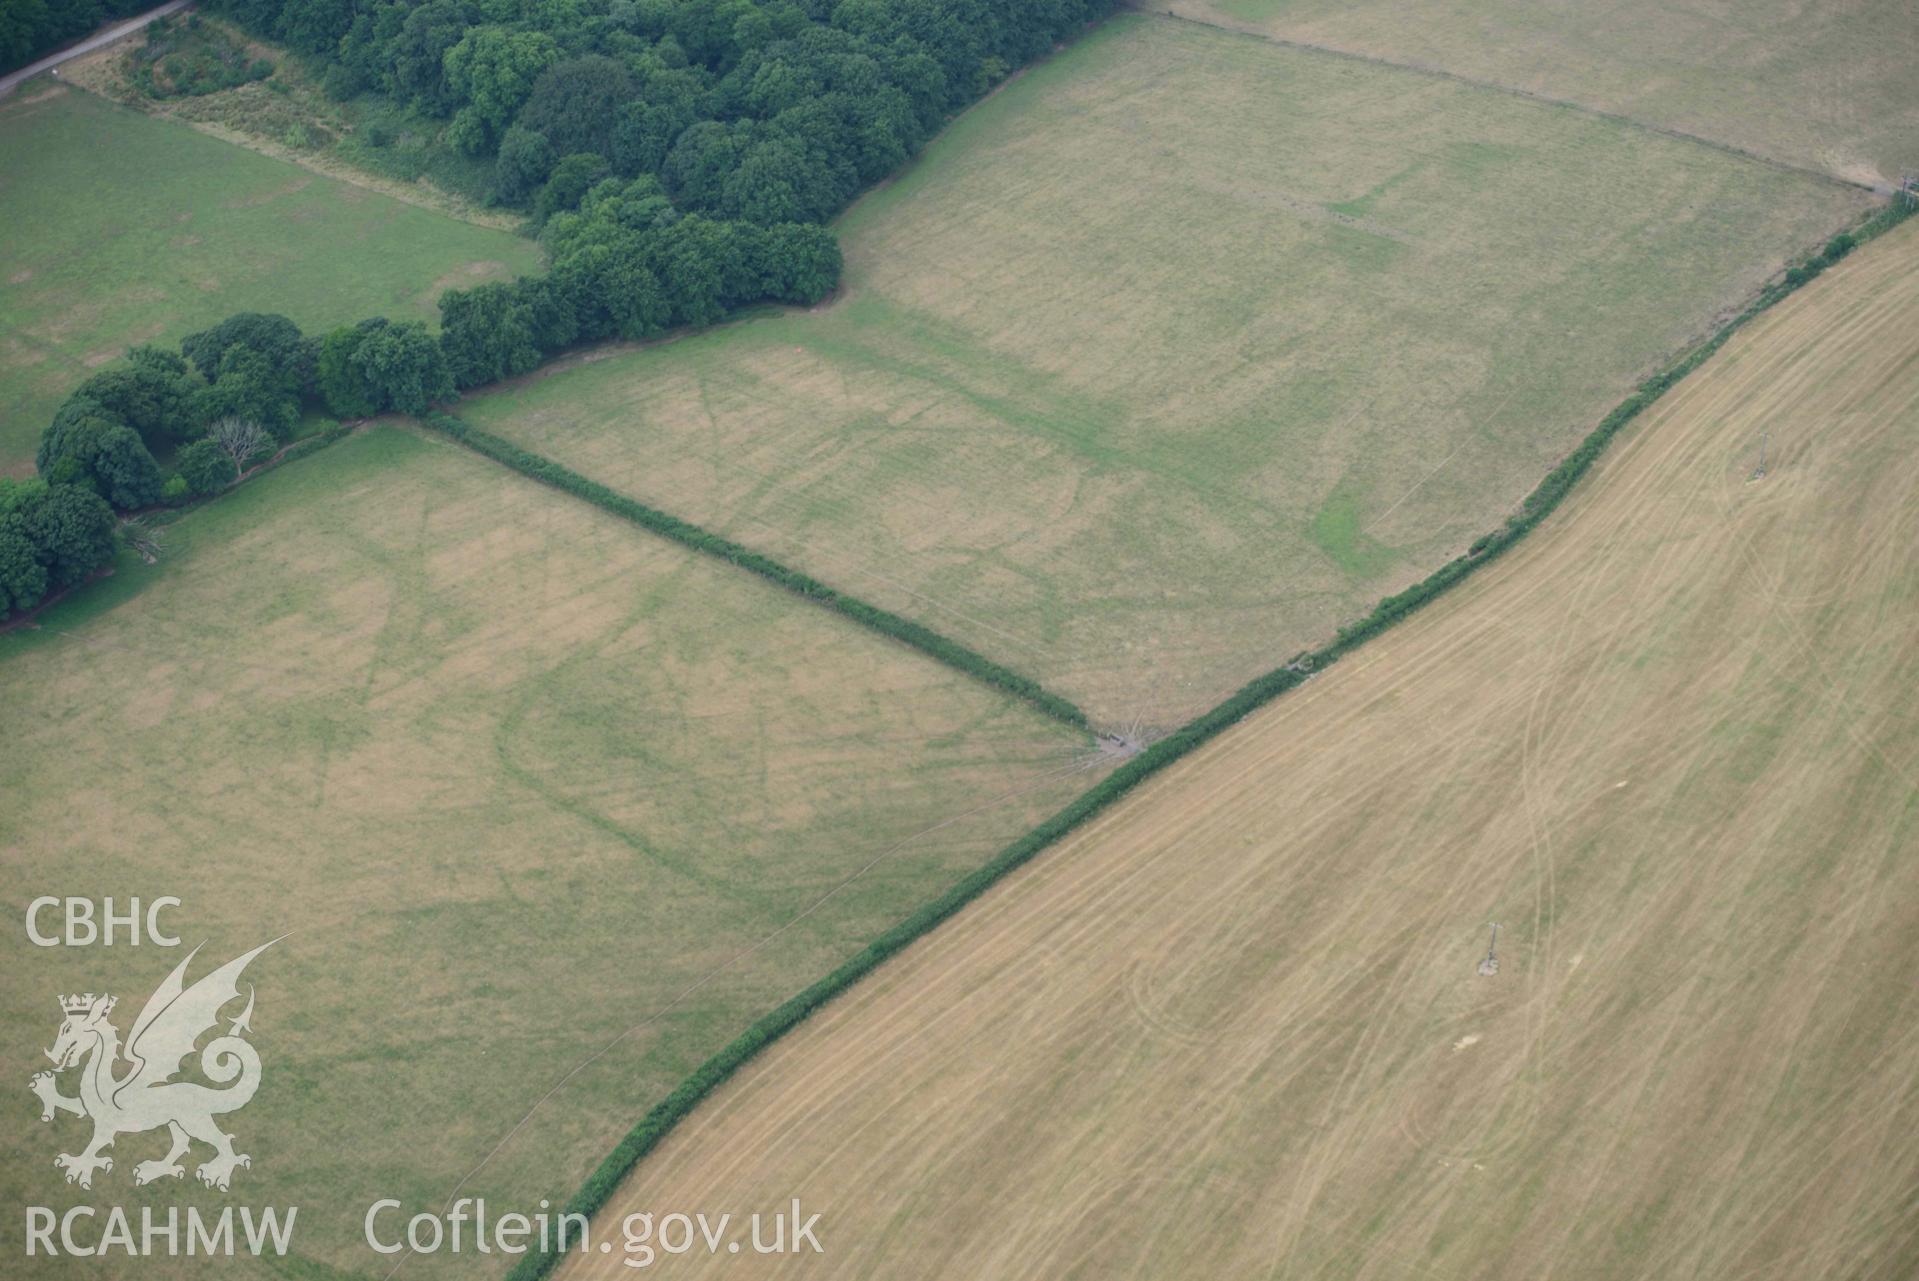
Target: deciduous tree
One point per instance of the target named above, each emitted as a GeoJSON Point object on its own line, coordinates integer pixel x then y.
{"type": "Point", "coordinates": [241, 440]}
{"type": "Point", "coordinates": [206, 467]}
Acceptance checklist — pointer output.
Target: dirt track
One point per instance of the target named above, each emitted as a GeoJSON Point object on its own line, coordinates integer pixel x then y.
{"type": "Point", "coordinates": [119, 31]}
{"type": "Point", "coordinates": [1235, 1029]}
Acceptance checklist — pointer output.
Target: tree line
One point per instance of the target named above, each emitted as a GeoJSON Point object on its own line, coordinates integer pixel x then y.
{"type": "Point", "coordinates": [766, 111]}
{"type": "Point", "coordinates": [677, 158]}
{"type": "Point", "coordinates": [627, 264]}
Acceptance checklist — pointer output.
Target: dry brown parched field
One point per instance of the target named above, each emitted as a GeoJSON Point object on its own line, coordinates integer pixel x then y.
{"type": "Point", "coordinates": [1234, 1029]}
{"type": "Point", "coordinates": [1829, 85]}
{"type": "Point", "coordinates": [516, 776]}
{"type": "Point", "coordinates": [1184, 349]}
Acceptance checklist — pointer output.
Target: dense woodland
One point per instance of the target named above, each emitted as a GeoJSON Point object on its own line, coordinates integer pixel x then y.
{"type": "Point", "coordinates": [766, 111]}
{"type": "Point", "coordinates": [677, 157]}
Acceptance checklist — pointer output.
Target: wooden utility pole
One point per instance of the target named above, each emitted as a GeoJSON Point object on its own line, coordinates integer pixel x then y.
{"type": "Point", "coordinates": [1490, 966]}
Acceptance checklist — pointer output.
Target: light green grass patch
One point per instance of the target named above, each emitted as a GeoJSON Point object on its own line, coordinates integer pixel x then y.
{"type": "Point", "coordinates": [124, 229]}
{"type": "Point", "coordinates": [1336, 531]}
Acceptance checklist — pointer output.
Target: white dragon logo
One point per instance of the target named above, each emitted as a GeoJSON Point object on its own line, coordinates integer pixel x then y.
{"type": "Point", "coordinates": [147, 1096]}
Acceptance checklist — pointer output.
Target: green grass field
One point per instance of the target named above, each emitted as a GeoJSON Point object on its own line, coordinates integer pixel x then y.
{"type": "Point", "coordinates": [123, 229]}
{"type": "Point", "coordinates": [1829, 86]}
{"type": "Point", "coordinates": [1185, 348]}
{"type": "Point", "coordinates": [514, 774]}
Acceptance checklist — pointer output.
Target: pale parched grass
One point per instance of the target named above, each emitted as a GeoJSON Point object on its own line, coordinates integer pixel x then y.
{"type": "Point", "coordinates": [1183, 349]}
{"type": "Point", "coordinates": [1828, 86]}
{"type": "Point", "coordinates": [515, 775]}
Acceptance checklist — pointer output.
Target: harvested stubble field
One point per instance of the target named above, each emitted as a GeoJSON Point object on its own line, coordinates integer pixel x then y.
{"type": "Point", "coordinates": [1234, 1029]}
{"type": "Point", "coordinates": [123, 229]}
{"type": "Point", "coordinates": [514, 774]}
{"type": "Point", "coordinates": [1828, 86]}
{"type": "Point", "coordinates": [1183, 349]}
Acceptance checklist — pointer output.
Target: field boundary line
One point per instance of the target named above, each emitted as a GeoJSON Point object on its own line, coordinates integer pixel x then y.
{"type": "Point", "coordinates": [915, 635]}
{"type": "Point", "coordinates": [1544, 499]}
{"type": "Point", "coordinates": [1546, 100]}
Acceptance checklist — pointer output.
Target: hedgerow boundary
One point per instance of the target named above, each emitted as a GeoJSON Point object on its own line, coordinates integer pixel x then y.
{"type": "Point", "coordinates": [906, 631]}
{"type": "Point", "coordinates": [1550, 492]}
